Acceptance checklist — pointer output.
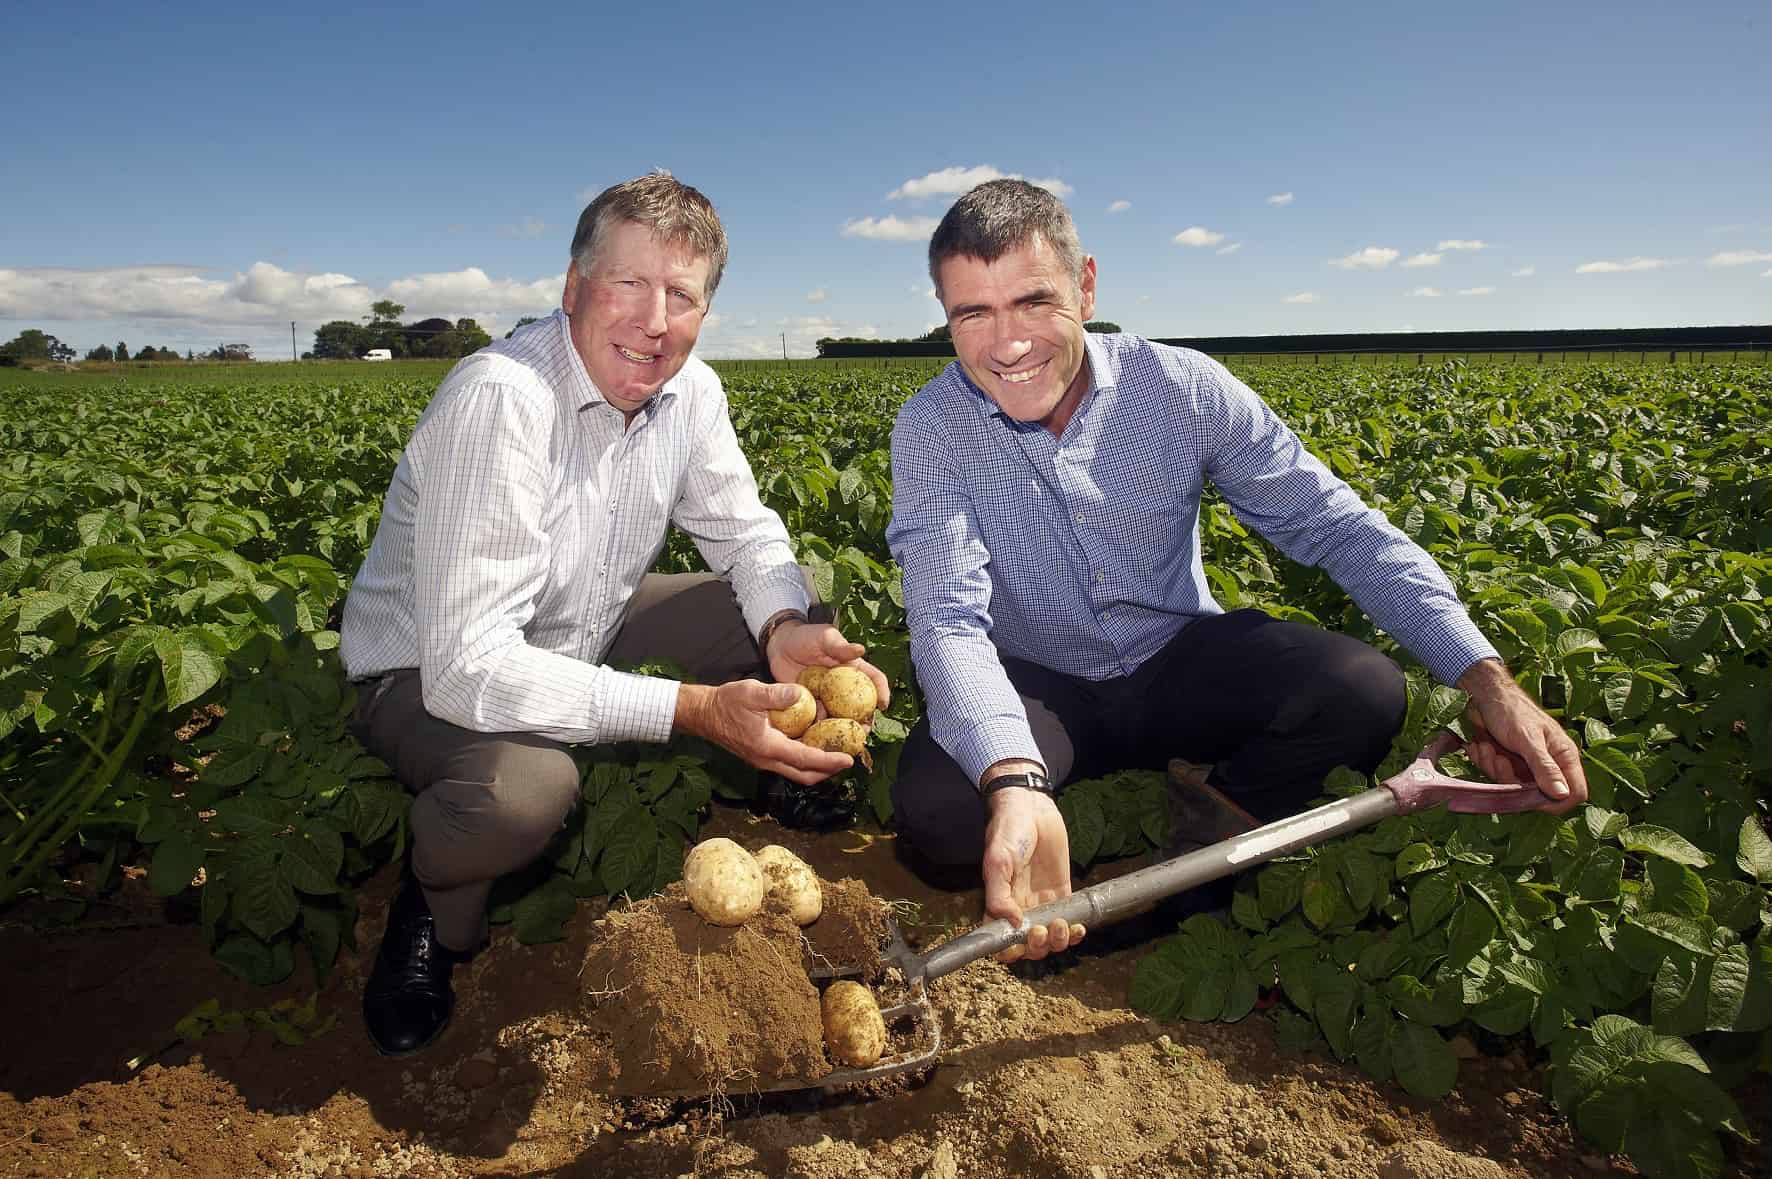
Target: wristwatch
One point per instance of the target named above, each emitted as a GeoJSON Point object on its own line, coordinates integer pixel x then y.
{"type": "Point", "coordinates": [1027, 779]}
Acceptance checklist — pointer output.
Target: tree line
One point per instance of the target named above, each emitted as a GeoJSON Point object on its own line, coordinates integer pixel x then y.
{"type": "Point", "coordinates": [37, 345]}
{"type": "Point", "coordinates": [935, 335]}
{"type": "Point", "coordinates": [344, 339]}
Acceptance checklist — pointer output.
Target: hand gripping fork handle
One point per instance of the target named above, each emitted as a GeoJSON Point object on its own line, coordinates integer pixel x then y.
{"type": "Point", "coordinates": [1418, 786]}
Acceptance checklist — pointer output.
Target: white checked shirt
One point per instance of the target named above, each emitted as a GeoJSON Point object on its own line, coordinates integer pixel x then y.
{"type": "Point", "coordinates": [1082, 553]}
{"type": "Point", "coordinates": [520, 521]}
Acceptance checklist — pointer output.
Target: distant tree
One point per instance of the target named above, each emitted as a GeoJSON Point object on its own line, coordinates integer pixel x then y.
{"type": "Point", "coordinates": [527, 319]}
{"type": "Point", "coordinates": [384, 327]}
{"type": "Point", "coordinates": [189, 355]}
{"type": "Point", "coordinates": [36, 344]}
{"type": "Point", "coordinates": [1101, 325]}
{"type": "Point", "coordinates": [102, 352]}
{"type": "Point", "coordinates": [939, 332]}
{"type": "Point", "coordinates": [428, 337]}
{"type": "Point", "coordinates": [122, 350]}
{"type": "Point", "coordinates": [470, 337]}
{"type": "Point", "coordinates": [341, 340]}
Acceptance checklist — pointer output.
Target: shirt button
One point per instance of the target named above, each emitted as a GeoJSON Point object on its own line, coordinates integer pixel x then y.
{"type": "Point", "coordinates": [1079, 517]}
{"type": "Point", "coordinates": [1105, 614]}
{"type": "Point", "coordinates": [1100, 577]}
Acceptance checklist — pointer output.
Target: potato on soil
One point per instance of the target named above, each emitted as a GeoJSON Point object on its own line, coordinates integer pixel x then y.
{"type": "Point", "coordinates": [794, 881]}
{"type": "Point", "coordinates": [835, 734]}
{"type": "Point", "coordinates": [854, 1032]}
{"type": "Point", "coordinates": [724, 883]}
{"type": "Point", "coordinates": [797, 717]}
{"type": "Point", "coordinates": [849, 693]}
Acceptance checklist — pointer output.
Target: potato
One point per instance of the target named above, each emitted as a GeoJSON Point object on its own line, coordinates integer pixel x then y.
{"type": "Point", "coordinates": [797, 717]}
{"type": "Point", "coordinates": [724, 883]}
{"type": "Point", "coordinates": [794, 881]}
{"type": "Point", "coordinates": [812, 679]}
{"type": "Point", "coordinates": [848, 693]}
{"type": "Point", "coordinates": [854, 1032]}
{"type": "Point", "coordinates": [836, 734]}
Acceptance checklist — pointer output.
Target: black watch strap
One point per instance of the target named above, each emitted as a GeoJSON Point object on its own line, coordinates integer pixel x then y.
{"type": "Point", "coordinates": [1027, 779]}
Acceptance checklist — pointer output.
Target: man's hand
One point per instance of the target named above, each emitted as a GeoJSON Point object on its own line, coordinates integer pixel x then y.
{"type": "Point", "coordinates": [795, 645]}
{"type": "Point", "coordinates": [736, 715]}
{"type": "Point", "coordinates": [1514, 740]}
{"type": "Point", "coordinates": [1027, 862]}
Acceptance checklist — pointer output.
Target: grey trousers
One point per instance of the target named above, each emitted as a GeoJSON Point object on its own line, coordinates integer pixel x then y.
{"type": "Point", "coordinates": [487, 803]}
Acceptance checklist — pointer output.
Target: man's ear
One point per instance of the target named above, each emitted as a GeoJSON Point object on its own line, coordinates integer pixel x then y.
{"type": "Point", "coordinates": [1088, 288]}
{"type": "Point", "coordinates": [570, 294]}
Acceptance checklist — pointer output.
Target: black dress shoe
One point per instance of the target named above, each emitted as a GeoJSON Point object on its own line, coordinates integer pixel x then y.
{"type": "Point", "coordinates": [804, 808]}
{"type": "Point", "coordinates": [408, 1000]}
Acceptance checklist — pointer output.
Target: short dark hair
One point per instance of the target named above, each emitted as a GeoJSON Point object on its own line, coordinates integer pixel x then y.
{"type": "Point", "coordinates": [665, 205]}
{"type": "Point", "coordinates": [999, 216]}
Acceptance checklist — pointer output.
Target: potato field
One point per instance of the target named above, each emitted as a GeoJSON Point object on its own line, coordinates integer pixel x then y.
{"type": "Point", "coordinates": [196, 859]}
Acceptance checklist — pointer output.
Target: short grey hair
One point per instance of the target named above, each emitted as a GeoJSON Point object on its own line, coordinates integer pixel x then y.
{"type": "Point", "coordinates": [671, 209]}
{"type": "Point", "coordinates": [1002, 215]}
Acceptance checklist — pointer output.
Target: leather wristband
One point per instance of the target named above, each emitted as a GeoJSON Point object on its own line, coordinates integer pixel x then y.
{"type": "Point", "coordinates": [769, 628]}
{"type": "Point", "coordinates": [1025, 779]}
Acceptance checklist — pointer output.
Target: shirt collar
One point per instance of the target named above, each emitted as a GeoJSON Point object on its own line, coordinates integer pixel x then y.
{"type": "Point", "coordinates": [584, 390]}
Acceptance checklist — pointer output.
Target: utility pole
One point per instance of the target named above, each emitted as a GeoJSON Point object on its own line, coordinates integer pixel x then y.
{"type": "Point", "coordinates": [292, 354]}
{"type": "Point", "coordinates": [784, 345]}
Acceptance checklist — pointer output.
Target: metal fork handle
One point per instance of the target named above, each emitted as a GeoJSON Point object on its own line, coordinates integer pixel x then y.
{"type": "Point", "coordinates": [1419, 785]}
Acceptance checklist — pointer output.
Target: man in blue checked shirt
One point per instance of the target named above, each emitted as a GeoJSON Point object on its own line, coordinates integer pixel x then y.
{"type": "Point", "coordinates": [1046, 503]}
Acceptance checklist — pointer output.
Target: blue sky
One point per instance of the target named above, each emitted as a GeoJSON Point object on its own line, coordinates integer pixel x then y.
{"type": "Point", "coordinates": [189, 174]}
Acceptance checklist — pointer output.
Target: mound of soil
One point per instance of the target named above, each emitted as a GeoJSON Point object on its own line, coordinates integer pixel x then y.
{"type": "Point", "coordinates": [1043, 1073]}
{"type": "Point", "coordinates": [688, 1008]}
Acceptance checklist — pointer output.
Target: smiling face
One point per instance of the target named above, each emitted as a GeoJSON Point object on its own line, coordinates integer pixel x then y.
{"type": "Point", "coordinates": [635, 317]}
{"type": "Point", "coordinates": [1017, 325]}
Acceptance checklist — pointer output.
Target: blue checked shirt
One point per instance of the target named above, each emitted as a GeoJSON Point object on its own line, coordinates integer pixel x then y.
{"type": "Point", "coordinates": [522, 517]}
{"type": "Point", "coordinates": [1082, 553]}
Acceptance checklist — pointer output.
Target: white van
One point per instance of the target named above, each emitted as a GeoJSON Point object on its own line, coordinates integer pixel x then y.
{"type": "Point", "coordinates": [378, 354]}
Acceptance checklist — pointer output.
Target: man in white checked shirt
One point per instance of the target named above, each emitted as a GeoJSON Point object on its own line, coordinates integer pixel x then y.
{"type": "Point", "coordinates": [511, 564]}
{"type": "Point", "coordinates": [1046, 505]}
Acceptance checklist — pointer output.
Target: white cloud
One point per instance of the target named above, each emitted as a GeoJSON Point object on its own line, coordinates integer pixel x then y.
{"type": "Point", "coordinates": [1119, 206]}
{"type": "Point", "coordinates": [1424, 293]}
{"type": "Point", "coordinates": [1144, 298]}
{"type": "Point", "coordinates": [891, 229]}
{"type": "Point", "coordinates": [954, 181]}
{"type": "Point", "coordinates": [818, 296]}
{"type": "Point", "coordinates": [264, 295]}
{"type": "Point", "coordinates": [1525, 272]}
{"type": "Point", "coordinates": [1477, 291]}
{"type": "Point", "coordinates": [1197, 235]}
{"type": "Point", "coordinates": [1766, 274]}
{"type": "Point", "coordinates": [1280, 199]}
{"type": "Point", "coordinates": [1370, 258]}
{"type": "Point", "coordinates": [527, 229]}
{"type": "Point", "coordinates": [472, 292]}
{"type": "Point", "coordinates": [1738, 258]}
{"type": "Point", "coordinates": [1628, 264]}
{"type": "Point", "coordinates": [1459, 243]}
{"type": "Point", "coordinates": [1302, 296]}
{"type": "Point", "coordinates": [1424, 259]}
{"type": "Point", "coordinates": [1230, 249]}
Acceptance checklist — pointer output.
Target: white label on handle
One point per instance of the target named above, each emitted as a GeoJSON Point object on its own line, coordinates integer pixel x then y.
{"type": "Point", "coordinates": [1282, 834]}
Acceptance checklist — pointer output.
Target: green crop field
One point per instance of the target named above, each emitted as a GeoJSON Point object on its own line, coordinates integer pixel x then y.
{"type": "Point", "coordinates": [175, 544]}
